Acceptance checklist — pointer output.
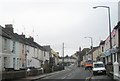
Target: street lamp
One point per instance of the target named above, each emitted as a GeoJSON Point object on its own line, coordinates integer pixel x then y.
{"type": "Point", "coordinates": [91, 45]}
{"type": "Point", "coordinates": [91, 41]}
{"type": "Point", "coordinates": [109, 24]}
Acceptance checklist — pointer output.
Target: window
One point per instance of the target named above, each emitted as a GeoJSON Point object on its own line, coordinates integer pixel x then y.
{"type": "Point", "coordinates": [102, 49]}
{"type": "Point", "coordinates": [13, 47]}
{"type": "Point", "coordinates": [13, 62]}
{"type": "Point", "coordinates": [113, 41]}
{"type": "Point", "coordinates": [98, 65]}
{"type": "Point", "coordinates": [114, 57]}
{"type": "Point", "coordinates": [28, 62]}
{"type": "Point", "coordinates": [5, 44]}
{"type": "Point", "coordinates": [22, 48]}
{"type": "Point", "coordinates": [5, 62]}
{"type": "Point", "coordinates": [44, 53]}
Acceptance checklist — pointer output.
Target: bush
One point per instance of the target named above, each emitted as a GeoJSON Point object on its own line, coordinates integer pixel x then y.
{"type": "Point", "coordinates": [47, 68]}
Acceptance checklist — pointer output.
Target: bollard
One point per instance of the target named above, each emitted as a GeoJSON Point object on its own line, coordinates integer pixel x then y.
{"type": "Point", "coordinates": [116, 70]}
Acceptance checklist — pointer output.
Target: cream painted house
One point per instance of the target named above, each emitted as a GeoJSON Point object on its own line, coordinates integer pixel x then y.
{"type": "Point", "coordinates": [96, 54]}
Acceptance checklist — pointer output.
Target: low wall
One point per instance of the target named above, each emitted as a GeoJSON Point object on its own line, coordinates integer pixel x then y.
{"type": "Point", "coordinates": [11, 75]}
{"type": "Point", "coordinates": [109, 69]}
{"type": "Point", "coordinates": [34, 72]}
{"type": "Point", "coordinates": [117, 77]}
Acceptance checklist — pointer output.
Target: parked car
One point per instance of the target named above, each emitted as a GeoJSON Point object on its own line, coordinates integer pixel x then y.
{"type": "Point", "coordinates": [98, 68]}
{"type": "Point", "coordinates": [88, 65]}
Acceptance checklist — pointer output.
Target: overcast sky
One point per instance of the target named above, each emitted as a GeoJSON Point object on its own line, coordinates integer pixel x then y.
{"type": "Point", "coordinates": [58, 21]}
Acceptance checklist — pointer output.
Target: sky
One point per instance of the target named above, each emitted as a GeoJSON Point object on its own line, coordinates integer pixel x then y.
{"type": "Point", "coordinates": [52, 22]}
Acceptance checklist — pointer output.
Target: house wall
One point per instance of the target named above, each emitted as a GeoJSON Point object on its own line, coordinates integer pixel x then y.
{"type": "Point", "coordinates": [29, 57]}
{"type": "Point", "coordinates": [33, 57]}
{"type": "Point", "coordinates": [107, 51]}
{"type": "Point", "coordinates": [96, 53]}
{"type": "Point", "coordinates": [67, 60]}
{"type": "Point", "coordinates": [0, 55]}
{"type": "Point", "coordinates": [5, 53]}
{"type": "Point", "coordinates": [40, 56]}
{"type": "Point", "coordinates": [20, 55]}
{"type": "Point", "coordinates": [119, 11]}
{"type": "Point", "coordinates": [46, 57]}
{"type": "Point", "coordinates": [55, 56]}
{"type": "Point", "coordinates": [23, 55]}
{"type": "Point", "coordinates": [36, 61]}
{"type": "Point", "coordinates": [14, 57]}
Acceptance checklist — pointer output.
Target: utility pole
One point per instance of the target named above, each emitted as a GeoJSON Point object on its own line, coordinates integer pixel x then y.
{"type": "Point", "coordinates": [63, 52]}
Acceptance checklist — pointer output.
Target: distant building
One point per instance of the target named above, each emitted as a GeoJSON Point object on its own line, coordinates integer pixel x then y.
{"type": "Point", "coordinates": [53, 55]}
{"type": "Point", "coordinates": [68, 59]}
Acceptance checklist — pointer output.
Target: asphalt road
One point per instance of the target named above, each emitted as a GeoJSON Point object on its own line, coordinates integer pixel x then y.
{"type": "Point", "coordinates": [71, 73]}
{"type": "Point", "coordinates": [75, 73]}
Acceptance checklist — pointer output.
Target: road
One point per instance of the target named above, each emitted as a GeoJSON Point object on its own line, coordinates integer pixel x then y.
{"type": "Point", "coordinates": [75, 73]}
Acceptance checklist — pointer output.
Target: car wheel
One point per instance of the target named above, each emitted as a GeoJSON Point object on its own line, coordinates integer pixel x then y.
{"type": "Point", "coordinates": [94, 73]}
{"type": "Point", "coordinates": [104, 73]}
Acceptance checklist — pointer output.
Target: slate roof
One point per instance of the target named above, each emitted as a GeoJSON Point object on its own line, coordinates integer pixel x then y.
{"type": "Point", "coordinates": [118, 25]}
{"type": "Point", "coordinates": [91, 51]}
{"type": "Point", "coordinates": [47, 48]}
{"type": "Point", "coordinates": [3, 33]}
{"type": "Point", "coordinates": [83, 52]}
{"type": "Point", "coordinates": [102, 43]}
{"type": "Point", "coordinates": [20, 38]}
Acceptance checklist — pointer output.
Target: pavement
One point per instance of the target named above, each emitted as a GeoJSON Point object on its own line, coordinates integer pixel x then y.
{"type": "Point", "coordinates": [33, 78]}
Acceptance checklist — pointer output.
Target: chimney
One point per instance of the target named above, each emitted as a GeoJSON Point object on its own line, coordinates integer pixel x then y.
{"type": "Point", "coordinates": [31, 39]}
{"type": "Point", "coordinates": [9, 27]}
{"type": "Point", "coordinates": [79, 48]}
{"type": "Point", "coordinates": [22, 35]}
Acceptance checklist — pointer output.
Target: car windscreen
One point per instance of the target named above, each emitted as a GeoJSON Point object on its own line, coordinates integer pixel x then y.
{"type": "Point", "coordinates": [89, 62]}
{"type": "Point", "coordinates": [98, 65]}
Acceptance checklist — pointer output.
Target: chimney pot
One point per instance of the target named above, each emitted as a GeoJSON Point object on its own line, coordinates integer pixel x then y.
{"type": "Point", "coordinates": [9, 27]}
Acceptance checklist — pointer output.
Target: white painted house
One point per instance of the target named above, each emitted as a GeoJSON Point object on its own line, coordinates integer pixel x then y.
{"type": "Point", "coordinates": [19, 52]}
{"type": "Point", "coordinates": [5, 49]}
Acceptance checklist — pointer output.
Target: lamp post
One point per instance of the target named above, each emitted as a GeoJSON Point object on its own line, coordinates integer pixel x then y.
{"type": "Point", "coordinates": [109, 25]}
{"type": "Point", "coordinates": [91, 41]}
{"type": "Point", "coordinates": [109, 21]}
{"type": "Point", "coordinates": [91, 45]}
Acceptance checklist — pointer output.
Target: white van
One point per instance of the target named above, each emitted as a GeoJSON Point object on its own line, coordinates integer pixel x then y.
{"type": "Point", "coordinates": [98, 68]}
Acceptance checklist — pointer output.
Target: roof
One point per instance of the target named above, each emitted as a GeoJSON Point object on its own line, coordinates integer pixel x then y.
{"type": "Point", "coordinates": [97, 62]}
{"type": "Point", "coordinates": [85, 50]}
{"type": "Point", "coordinates": [117, 26]}
{"type": "Point", "coordinates": [19, 38]}
{"type": "Point", "coordinates": [68, 57]}
{"type": "Point", "coordinates": [40, 47]}
{"type": "Point", "coordinates": [92, 50]}
{"type": "Point", "coordinates": [47, 48]}
{"type": "Point", "coordinates": [3, 33]}
{"type": "Point", "coordinates": [102, 42]}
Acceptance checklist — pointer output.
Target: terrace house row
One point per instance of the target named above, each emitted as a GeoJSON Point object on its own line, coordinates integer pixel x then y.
{"type": "Point", "coordinates": [18, 52]}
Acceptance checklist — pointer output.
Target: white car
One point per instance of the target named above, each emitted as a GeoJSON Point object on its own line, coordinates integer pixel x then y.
{"type": "Point", "coordinates": [98, 68]}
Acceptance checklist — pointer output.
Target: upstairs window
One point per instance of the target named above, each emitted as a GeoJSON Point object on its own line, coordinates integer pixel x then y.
{"type": "Point", "coordinates": [44, 54]}
{"type": "Point", "coordinates": [5, 44]}
{"type": "Point", "coordinates": [102, 49]}
{"type": "Point", "coordinates": [13, 47]}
